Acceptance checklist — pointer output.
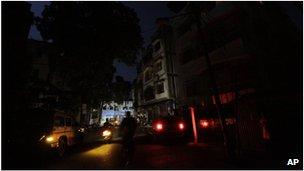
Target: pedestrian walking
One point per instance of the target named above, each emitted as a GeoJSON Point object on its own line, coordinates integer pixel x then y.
{"type": "Point", "coordinates": [127, 129]}
{"type": "Point", "coordinates": [107, 123]}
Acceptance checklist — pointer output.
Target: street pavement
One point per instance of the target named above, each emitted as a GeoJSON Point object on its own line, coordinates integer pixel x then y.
{"type": "Point", "coordinates": [148, 155]}
{"type": "Point", "coordinates": [169, 154]}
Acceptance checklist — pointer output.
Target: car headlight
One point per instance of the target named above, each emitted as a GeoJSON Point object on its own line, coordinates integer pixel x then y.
{"type": "Point", "coordinates": [106, 133]}
{"type": "Point", "coordinates": [50, 139]}
{"type": "Point", "coordinates": [81, 129]}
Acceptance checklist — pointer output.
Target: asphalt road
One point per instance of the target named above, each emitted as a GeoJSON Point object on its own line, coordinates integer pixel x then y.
{"type": "Point", "coordinates": [169, 154]}
{"type": "Point", "coordinates": [148, 155]}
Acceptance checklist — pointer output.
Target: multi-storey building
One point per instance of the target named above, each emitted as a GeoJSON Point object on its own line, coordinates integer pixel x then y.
{"type": "Point", "coordinates": [246, 44]}
{"type": "Point", "coordinates": [225, 47]}
{"type": "Point", "coordinates": [154, 84]}
{"type": "Point", "coordinates": [253, 49]}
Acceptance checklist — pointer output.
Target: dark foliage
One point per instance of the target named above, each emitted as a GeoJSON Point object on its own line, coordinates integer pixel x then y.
{"type": "Point", "coordinates": [89, 37]}
{"type": "Point", "coordinates": [121, 89]}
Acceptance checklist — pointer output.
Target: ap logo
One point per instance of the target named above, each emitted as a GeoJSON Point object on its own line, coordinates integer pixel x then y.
{"type": "Point", "coordinates": [292, 162]}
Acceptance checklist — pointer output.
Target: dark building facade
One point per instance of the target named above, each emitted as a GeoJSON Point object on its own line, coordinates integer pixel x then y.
{"type": "Point", "coordinates": [154, 92]}
{"type": "Point", "coordinates": [255, 52]}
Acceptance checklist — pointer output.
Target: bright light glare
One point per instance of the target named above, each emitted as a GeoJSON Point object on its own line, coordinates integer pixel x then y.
{"type": "Point", "coordinates": [181, 126]}
{"type": "Point", "coordinates": [106, 133]}
{"type": "Point", "coordinates": [102, 151]}
{"type": "Point", "coordinates": [50, 139]}
{"type": "Point", "coordinates": [204, 123]}
{"type": "Point", "coordinates": [81, 129]}
{"type": "Point", "coordinates": [159, 126]}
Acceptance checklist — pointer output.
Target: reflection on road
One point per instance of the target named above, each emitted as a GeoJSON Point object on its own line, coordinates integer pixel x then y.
{"type": "Point", "coordinates": [101, 151]}
{"type": "Point", "coordinates": [97, 156]}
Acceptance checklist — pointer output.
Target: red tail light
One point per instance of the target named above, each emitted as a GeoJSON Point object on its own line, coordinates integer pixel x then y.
{"type": "Point", "coordinates": [204, 123]}
{"type": "Point", "coordinates": [181, 126]}
{"type": "Point", "coordinates": [159, 126]}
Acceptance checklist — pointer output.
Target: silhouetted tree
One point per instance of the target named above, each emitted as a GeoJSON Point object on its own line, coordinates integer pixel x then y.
{"type": "Point", "coordinates": [16, 22]}
{"type": "Point", "coordinates": [89, 36]}
{"type": "Point", "coordinates": [16, 19]}
{"type": "Point", "coordinates": [121, 89]}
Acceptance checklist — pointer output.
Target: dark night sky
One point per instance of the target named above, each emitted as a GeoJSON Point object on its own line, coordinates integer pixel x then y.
{"type": "Point", "coordinates": [147, 13]}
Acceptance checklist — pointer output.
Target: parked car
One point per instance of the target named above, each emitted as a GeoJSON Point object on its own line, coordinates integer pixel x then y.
{"type": "Point", "coordinates": [169, 127]}
{"type": "Point", "coordinates": [44, 131]}
{"type": "Point", "coordinates": [64, 132]}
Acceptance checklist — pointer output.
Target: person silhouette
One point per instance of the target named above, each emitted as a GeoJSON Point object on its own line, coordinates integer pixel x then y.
{"type": "Point", "coordinates": [127, 128]}
{"type": "Point", "coordinates": [107, 123]}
